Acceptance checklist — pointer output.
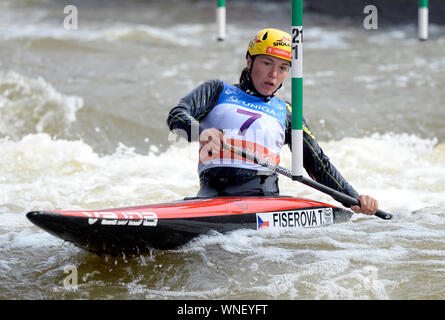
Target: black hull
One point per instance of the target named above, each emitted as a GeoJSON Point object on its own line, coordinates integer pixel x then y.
{"type": "Point", "coordinates": [167, 234]}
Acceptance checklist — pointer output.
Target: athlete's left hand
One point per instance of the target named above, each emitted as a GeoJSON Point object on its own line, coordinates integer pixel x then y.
{"type": "Point", "coordinates": [368, 205]}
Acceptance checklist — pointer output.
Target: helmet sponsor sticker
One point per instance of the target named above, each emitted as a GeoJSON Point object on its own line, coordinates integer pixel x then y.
{"type": "Point", "coordinates": [284, 41]}
{"type": "Point", "coordinates": [279, 52]}
{"type": "Point", "coordinates": [303, 218]}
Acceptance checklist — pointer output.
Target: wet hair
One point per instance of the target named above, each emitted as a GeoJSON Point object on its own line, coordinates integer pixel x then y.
{"type": "Point", "coordinates": [245, 73]}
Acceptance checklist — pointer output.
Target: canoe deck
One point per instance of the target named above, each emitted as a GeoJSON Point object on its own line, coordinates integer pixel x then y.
{"type": "Point", "coordinates": [170, 225]}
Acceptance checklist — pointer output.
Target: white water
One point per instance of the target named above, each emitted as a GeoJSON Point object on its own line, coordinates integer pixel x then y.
{"type": "Point", "coordinates": [82, 126]}
{"type": "Point", "coordinates": [364, 258]}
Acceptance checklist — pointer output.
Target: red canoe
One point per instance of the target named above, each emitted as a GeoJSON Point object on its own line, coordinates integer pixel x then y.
{"type": "Point", "coordinates": [169, 225]}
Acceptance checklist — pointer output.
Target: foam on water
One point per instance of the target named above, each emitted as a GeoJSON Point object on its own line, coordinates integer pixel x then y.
{"type": "Point", "coordinates": [69, 173]}
{"type": "Point", "coordinates": [112, 32]}
{"type": "Point", "coordinates": [400, 170]}
{"type": "Point", "coordinates": [32, 105]}
{"type": "Point", "coordinates": [321, 38]}
{"type": "Point", "coordinates": [179, 35]}
{"type": "Point", "coordinates": [40, 172]}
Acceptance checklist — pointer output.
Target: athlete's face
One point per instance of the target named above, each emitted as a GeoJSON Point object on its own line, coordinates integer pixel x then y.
{"type": "Point", "coordinates": [268, 73]}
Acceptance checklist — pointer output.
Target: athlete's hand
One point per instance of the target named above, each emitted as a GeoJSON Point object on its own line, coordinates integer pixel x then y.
{"type": "Point", "coordinates": [212, 140]}
{"type": "Point", "coordinates": [368, 205]}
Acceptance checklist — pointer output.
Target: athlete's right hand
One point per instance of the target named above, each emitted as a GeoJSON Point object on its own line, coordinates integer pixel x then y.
{"type": "Point", "coordinates": [212, 140]}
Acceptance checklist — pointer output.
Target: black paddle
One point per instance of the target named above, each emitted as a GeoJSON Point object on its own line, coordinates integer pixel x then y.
{"type": "Point", "coordinates": [309, 182]}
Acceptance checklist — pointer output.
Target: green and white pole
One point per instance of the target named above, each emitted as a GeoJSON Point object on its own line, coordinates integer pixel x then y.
{"type": "Point", "coordinates": [221, 19]}
{"type": "Point", "coordinates": [297, 89]}
{"type": "Point", "coordinates": [423, 19]}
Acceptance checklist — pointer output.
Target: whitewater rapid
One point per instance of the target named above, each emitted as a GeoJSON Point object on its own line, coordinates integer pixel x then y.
{"type": "Point", "coordinates": [82, 126]}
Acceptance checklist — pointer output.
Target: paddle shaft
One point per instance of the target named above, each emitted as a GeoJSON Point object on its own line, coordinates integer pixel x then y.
{"type": "Point", "coordinates": [309, 182]}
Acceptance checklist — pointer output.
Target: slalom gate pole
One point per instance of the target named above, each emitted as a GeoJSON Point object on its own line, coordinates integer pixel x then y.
{"type": "Point", "coordinates": [221, 19]}
{"type": "Point", "coordinates": [423, 20]}
{"type": "Point", "coordinates": [297, 89]}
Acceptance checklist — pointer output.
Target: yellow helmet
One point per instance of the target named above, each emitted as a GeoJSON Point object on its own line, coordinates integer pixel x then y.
{"type": "Point", "coordinates": [272, 42]}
